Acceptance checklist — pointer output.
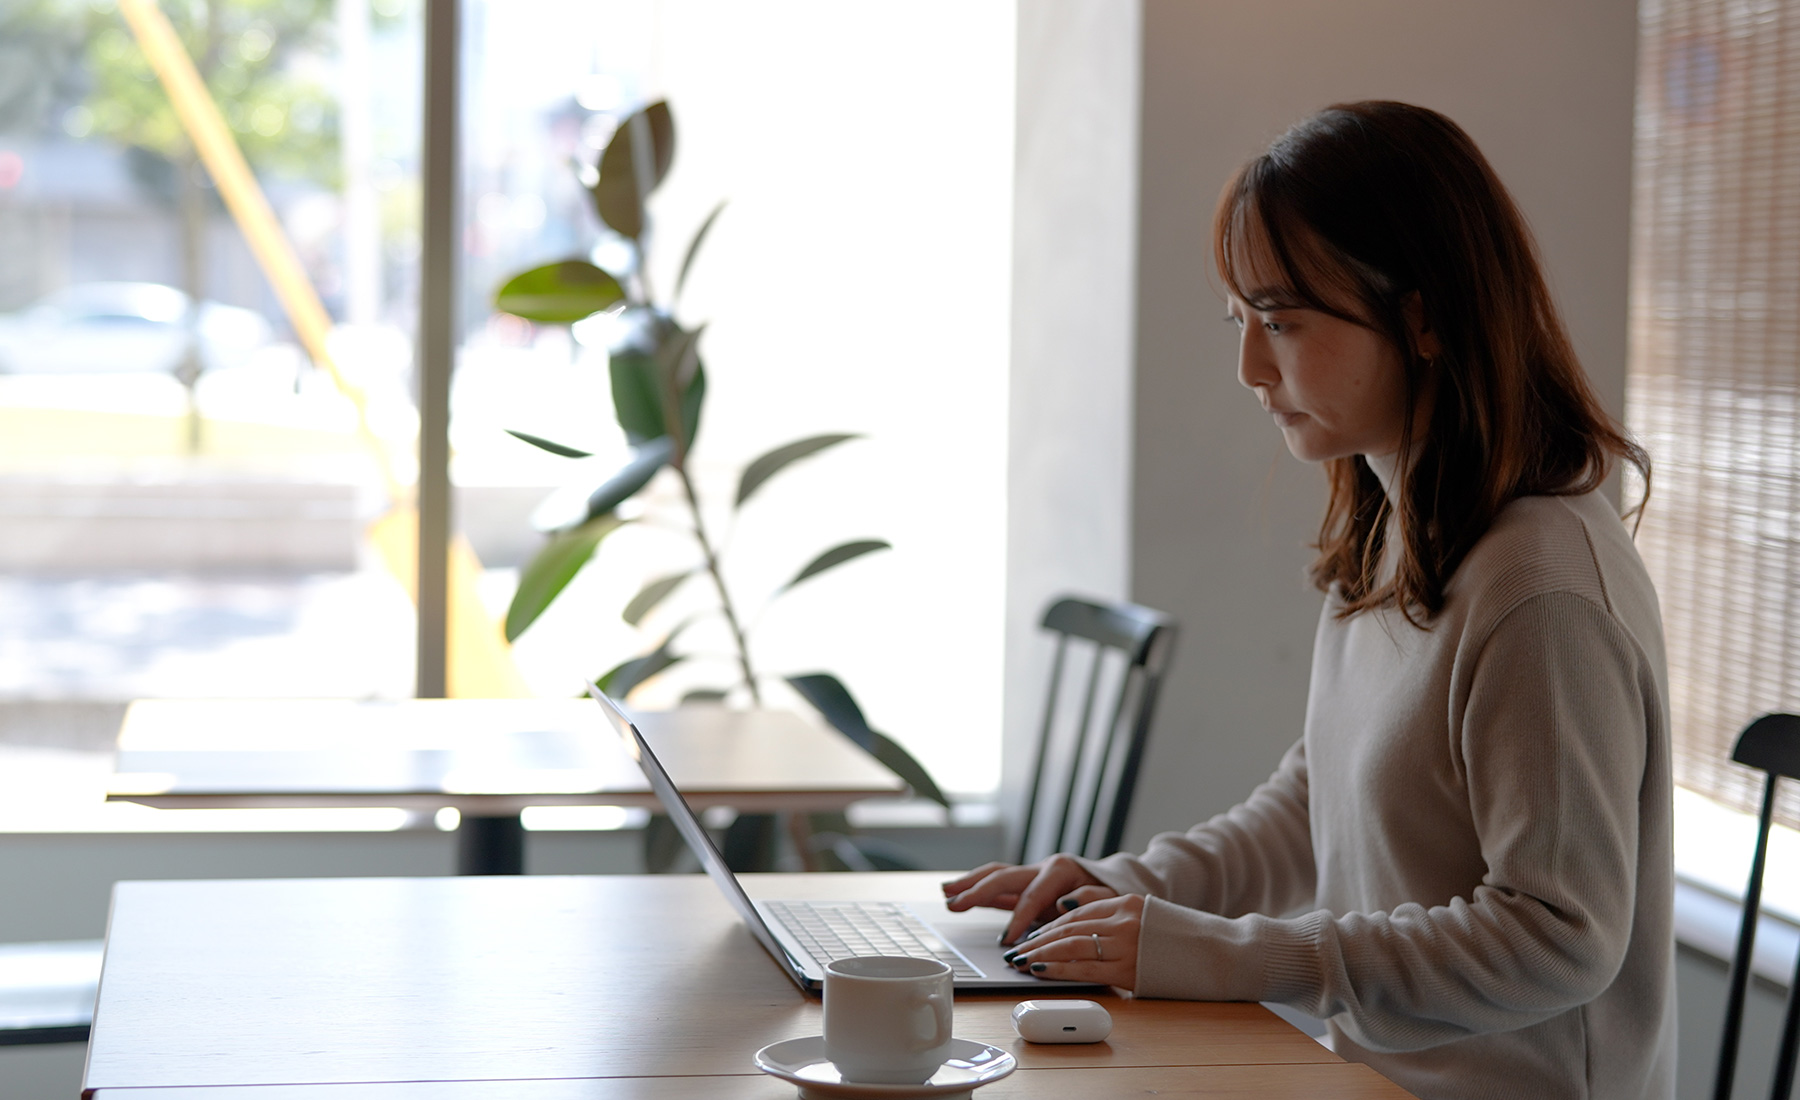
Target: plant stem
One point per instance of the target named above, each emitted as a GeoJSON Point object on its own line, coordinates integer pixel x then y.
{"type": "Point", "coordinates": [671, 403]}
{"type": "Point", "coordinates": [712, 567]}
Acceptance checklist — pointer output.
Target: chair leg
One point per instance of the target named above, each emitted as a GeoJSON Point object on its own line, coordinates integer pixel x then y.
{"type": "Point", "coordinates": [1734, 1009]}
{"type": "Point", "coordinates": [1790, 1041]}
{"type": "Point", "coordinates": [1746, 943]}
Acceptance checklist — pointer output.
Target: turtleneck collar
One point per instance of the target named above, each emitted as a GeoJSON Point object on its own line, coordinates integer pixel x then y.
{"type": "Point", "coordinates": [1384, 467]}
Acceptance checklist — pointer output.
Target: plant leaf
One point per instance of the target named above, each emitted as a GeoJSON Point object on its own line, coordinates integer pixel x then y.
{"type": "Point", "coordinates": [693, 248]}
{"type": "Point", "coordinates": [552, 570]}
{"type": "Point", "coordinates": [653, 593]}
{"type": "Point", "coordinates": [704, 695]}
{"type": "Point", "coordinates": [636, 401]}
{"type": "Point", "coordinates": [559, 293]}
{"type": "Point", "coordinates": [837, 556]}
{"type": "Point", "coordinates": [622, 679]}
{"type": "Point", "coordinates": [902, 764]}
{"type": "Point", "coordinates": [780, 458]}
{"type": "Point", "coordinates": [833, 701]}
{"type": "Point", "coordinates": [628, 174]}
{"type": "Point", "coordinates": [553, 448]}
{"type": "Point", "coordinates": [632, 476]}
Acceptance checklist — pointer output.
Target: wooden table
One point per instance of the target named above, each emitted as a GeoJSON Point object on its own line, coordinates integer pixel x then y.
{"type": "Point", "coordinates": [488, 758]}
{"type": "Point", "coordinates": [550, 988]}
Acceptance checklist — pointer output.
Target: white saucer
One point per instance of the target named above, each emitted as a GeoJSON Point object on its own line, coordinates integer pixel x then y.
{"type": "Point", "coordinates": [803, 1062]}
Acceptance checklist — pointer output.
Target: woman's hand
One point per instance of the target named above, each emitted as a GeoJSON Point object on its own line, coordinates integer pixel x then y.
{"type": "Point", "coordinates": [1096, 942]}
{"type": "Point", "coordinates": [1035, 892]}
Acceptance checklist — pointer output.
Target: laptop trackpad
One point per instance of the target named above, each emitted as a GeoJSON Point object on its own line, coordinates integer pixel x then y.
{"type": "Point", "coordinates": [975, 933]}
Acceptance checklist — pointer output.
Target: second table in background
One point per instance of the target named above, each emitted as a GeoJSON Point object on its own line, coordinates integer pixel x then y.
{"type": "Point", "coordinates": [487, 758]}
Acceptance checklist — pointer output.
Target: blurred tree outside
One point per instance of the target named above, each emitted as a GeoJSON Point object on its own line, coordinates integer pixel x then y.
{"type": "Point", "coordinates": [39, 61]}
{"type": "Point", "coordinates": [263, 61]}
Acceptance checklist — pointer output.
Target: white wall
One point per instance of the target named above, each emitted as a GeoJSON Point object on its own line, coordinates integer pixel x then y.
{"type": "Point", "coordinates": [1069, 437]}
{"type": "Point", "coordinates": [858, 282]}
{"type": "Point", "coordinates": [1220, 512]}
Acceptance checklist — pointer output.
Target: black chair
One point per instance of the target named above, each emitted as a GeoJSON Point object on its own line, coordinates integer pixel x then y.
{"type": "Point", "coordinates": [1771, 743]}
{"type": "Point", "coordinates": [47, 991]}
{"type": "Point", "coordinates": [1113, 656]}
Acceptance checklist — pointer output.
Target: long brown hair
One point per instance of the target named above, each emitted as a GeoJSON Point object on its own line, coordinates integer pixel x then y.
{"type": "Point", "coordinates": [1354, 211]}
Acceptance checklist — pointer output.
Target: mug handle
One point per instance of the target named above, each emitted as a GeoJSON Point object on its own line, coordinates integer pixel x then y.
{"type": "Point", "coordinates": [940, 1006]}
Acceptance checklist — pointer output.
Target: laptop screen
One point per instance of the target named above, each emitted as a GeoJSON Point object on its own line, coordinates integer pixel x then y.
{"type": "Point", "coordinates": [693, 832]}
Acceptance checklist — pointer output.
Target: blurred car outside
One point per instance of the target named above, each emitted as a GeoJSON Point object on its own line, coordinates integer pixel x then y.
{"type": "Point", "coordinates": [124, 327]}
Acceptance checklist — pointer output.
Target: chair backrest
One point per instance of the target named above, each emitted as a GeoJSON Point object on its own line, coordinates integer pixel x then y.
{"type": "Point", "coordinates": [1109, 663]}
{"type": "Point", "coordinates": [1771, 743]}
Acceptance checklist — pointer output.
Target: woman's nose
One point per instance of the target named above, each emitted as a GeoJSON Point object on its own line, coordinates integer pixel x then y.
{"type": "Point", "coordinates": [1255, 367]}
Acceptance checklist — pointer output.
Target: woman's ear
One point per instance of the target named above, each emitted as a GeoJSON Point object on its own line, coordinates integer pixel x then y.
{"type": "Point", "coordinates": [1424, 340]}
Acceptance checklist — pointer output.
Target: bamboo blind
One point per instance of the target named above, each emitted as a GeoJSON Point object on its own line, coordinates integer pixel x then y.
{"type": "Point", "coordinates": [1714, 382]}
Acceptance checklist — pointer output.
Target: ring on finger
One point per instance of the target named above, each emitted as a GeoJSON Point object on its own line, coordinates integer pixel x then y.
{"type": "Point", "coordinates": [1099, 955]}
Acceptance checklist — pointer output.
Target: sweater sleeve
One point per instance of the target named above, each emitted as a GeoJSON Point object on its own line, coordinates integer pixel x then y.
{"type": "Point", "coordinates": [1255, 858]}
{"type": "Point", "coordinates": [1550, 725]}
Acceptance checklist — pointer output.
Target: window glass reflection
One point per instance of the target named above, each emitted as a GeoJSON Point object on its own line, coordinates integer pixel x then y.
{"type": "Point", "coordinates": [184, 491]}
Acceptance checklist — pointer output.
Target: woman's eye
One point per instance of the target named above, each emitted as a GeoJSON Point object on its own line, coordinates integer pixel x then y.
{"type": "Point", "coordinates": [1236, 322]}
{"type": "Point", "coordinates": [1274, 328]}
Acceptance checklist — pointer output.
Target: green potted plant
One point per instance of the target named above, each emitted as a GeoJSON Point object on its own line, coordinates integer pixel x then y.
{"type": "Point", "coordinates": [658, 385]}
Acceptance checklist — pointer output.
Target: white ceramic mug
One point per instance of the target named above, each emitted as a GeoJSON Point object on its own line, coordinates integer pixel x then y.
{"type": "Point", "coordinates": [887, 1019]}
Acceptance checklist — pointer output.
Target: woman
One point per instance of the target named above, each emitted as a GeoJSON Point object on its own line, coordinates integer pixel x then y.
{"type": "Point", "coordinates": [1464, 864]}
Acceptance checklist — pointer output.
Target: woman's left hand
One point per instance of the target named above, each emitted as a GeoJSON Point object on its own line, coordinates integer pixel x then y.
{"type": "Point", "coordinates": [1097, 942]}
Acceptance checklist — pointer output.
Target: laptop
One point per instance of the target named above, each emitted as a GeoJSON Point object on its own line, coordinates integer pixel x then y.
{"type": "Point", "coordinates": [803, 936]}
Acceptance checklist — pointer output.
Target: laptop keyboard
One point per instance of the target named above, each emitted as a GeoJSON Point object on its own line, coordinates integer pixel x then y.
{"type": "Point", "coordinates": [832, 930]}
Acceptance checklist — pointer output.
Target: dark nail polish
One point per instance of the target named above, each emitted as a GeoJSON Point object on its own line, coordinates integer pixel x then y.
{"type": "Point", "coordinates": [1038, 968]}
{"type": "Point", "coordinates": [1020, 962]}
{"type": "Point", "coordinates": [1003, 941]}
{"type": "Point", "coordinates": [1009, 956]}
{"type": "Point", "coordinates": [1069, 905]}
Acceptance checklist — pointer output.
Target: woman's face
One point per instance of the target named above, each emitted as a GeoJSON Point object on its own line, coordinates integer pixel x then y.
{"type": "Point", "coordinates": [1335, 388]}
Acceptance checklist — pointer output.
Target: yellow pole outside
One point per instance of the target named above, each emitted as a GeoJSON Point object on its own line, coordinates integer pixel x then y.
{"type": "Point", "coordinates": [480, 662]}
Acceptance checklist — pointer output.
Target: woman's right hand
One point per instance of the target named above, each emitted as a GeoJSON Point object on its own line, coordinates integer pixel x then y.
{"type": "Point", "coordinates": [1035, 892]}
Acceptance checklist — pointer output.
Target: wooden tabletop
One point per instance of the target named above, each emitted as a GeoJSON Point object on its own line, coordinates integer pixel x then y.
{"type": "Point", "coordinates": [482, 756]}
{"type": "Point", "coordinates": [1336, 1081]}
{"type": "Point", "coordinates": [549, 988]}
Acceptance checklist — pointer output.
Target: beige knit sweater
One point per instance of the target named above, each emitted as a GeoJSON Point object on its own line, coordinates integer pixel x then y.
{"type": "Point", "coordinates": [1475, 828]}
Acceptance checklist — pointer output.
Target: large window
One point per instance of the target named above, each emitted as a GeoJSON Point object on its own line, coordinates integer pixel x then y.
{"type": "Point", "coordinates": [184, 492]}
{"type": "Point", "coordinates": [1715, 368]}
